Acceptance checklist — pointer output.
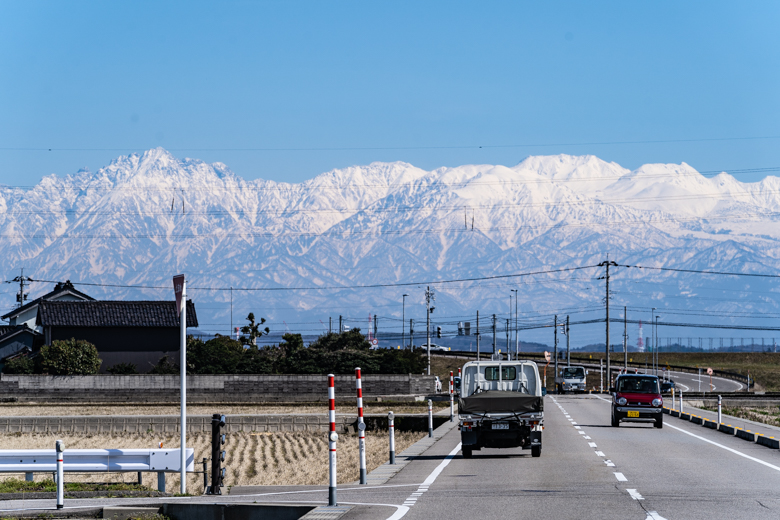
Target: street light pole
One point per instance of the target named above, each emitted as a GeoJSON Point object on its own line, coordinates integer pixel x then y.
{"type": "Point", "coordinates": [655, 350]}
{"type": "Point", "coordinates": [517, 341]}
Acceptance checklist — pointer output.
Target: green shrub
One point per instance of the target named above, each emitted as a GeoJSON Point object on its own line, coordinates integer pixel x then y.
{"type": "Point", "coordinates": [164, 367]}
{"type": "Point", "coordinates": [20, 365]}
{"type": "Point", "coordinates": [70, 357]}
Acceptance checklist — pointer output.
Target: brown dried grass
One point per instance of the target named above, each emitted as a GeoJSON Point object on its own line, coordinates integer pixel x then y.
{"type": "Point", "coordinates": [284, 458]}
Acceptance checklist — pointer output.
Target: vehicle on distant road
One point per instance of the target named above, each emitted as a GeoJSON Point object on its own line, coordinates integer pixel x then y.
{"type": "Point", "coordinates": [637, 398]}
{"type": "Point", "coordinates": [570, 379]}
{"type": "Point", "coordinates": [500, 406]}
{"type": "Point", "coordinates": [666, 387]}
{"type": "Point", "coordinates": [434, 347]}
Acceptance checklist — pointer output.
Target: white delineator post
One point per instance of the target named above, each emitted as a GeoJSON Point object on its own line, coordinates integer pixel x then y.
{"type": "Point", "coordinates": [180, 288]}
{"type": "Point", "coordinates": [60, 447]}
{"type": "Point", "coordinates": [332, 438]}
{"type": "Point", "coordinates": [430, 418]}
{"type": "Point", "coordinates": [391, 430]}
{"type": "Point", "coordinates": [452, 397]}
{"type": "Point", "coordinates": [681, 401]}
{"type": "Point", "coordinates": [720, 403]}
{"type": "Point", "coordinates": [361, 427]}
{"type": "Point", "coordinates": [673, 400]}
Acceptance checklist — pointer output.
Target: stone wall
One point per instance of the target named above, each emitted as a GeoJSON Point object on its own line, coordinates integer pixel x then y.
{"type": "Point", "coordinates": [146, 388]}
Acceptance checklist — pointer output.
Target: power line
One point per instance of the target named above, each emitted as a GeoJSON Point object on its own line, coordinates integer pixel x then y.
{"type": "Point", "coordinates": [380, 148]}
{"type": "Point", "coordinates": [335, 287]}
{"type": "Point", "coordinates": [350, 233]}
{"type": "Point", "coordinates": [702, 272]}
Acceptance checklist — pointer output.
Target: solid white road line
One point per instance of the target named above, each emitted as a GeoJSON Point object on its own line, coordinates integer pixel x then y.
{"type": "Point", "coordinates": [653, 515]}
{"type": "Point", "coordinates": [732, 450]}
{"type": "Point", "coordinates": [620, 477]}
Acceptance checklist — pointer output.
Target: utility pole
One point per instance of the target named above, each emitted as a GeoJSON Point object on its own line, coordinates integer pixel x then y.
{"type": "Point", "coordinates": [625, 338]}
{"type": "Point", "coordinates": [568, 343]}
{"type": "Point", "coordinates": [508, 352]}
{"type": "Point", "coordinates": [494, 336]}
{"type": "Point", "coordinates": [341, 324]}
{"type": "Point", "coordinates": [655, 349]}
{"type": "Point", "coordinates": [429, 298]}
{"type": "Point", "coordinates": [606, 264]}
{"type": "Point", "coordinates": [376, 327]}
{"type": "Point", "coordinates": [477, 335]}
{"type": "Point", "coordinates": [330, 324]}
{"type": "Point", "coordinates": [403, 320]}
{"type": "Point", "coordinates": [411, 333]}
{"type": "Point", "coordinates": [21, 296]}
{"type": "Point", "coordinates": [555, 347]}
{"type": "Point", "coordinates": [517, 339]}
{"type": "Point", "coordinates": [231, 310]}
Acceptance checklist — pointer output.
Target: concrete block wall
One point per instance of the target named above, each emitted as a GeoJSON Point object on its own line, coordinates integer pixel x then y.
{"type": "Point", "coordinates": [203, 388]}
{"type": "Point", "coordinates": [115, 424]}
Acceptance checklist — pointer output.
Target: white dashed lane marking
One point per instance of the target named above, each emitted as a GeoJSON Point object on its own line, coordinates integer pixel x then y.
{"type": "Point", "coordinates": [620, 477]}
{"type": "Point", "coordinates": [635, 494]}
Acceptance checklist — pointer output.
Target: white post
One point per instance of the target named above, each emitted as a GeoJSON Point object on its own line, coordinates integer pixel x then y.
{"type": "Point", "coordinates": [452, 398]}
{"type": "Point", "coordinates": [681, 402]}
{"type": "Point", "coordinates": [391, 429]}
{"type": "Point", "coordinates": [60, 447]}
{"type": "Point", "coordinates": [720, 403]}
{"type": "Point", "coordinates": [700, 380]}
{"type": "Point", "coordinates": [601, 376]}
{"type": "Point", "coordinates": [672, 397]}
{"type": "Point", "coordinates": [361, 428]}
{"type": "Point", "coordinates": [183, 384]}
{"type": "Point", "coordinates": [430, 418]}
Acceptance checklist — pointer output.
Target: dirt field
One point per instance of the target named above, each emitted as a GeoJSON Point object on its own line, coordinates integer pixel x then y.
{"type": "Point", "coordinates": [762, 414]}
{"type": "Point", "coordinates": [69, 410]}
{"type": "Point", "coordinates": [291, 458]}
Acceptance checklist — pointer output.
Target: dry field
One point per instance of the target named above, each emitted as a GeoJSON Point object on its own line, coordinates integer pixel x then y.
{"type": "Point", "coordinates": [762, 414]}
{"type": "Point", "coordinates": [288, 458]}
{"type": "Point", "coordinates": [17, 410]}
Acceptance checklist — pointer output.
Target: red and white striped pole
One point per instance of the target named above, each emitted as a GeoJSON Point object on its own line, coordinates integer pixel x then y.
{"type": "Point", "coordinates": [361, 427]}
{"type": "Point", "coordinates": [430, 418]}
{"type": "Point", "coordinates": [452, 397]}
{"type": "Point", "coordinates": [332, 438]}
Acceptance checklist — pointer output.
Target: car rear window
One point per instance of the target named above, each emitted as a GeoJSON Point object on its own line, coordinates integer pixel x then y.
{"type": "Point", "coordinates": [507, 373]}
{"type": "Point", "coordinates": [638, 385]}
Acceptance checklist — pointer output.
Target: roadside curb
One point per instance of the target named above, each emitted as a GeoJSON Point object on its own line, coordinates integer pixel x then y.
{"type": "Point", "coordinates": [748, 435]}
{"type": "Point", "coordinates": [387, 471]}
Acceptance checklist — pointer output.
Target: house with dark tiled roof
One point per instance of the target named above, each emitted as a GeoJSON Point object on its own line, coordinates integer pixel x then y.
{"type": "Point", "coordinates": [139, 332]}
{"type": "Point", "coordinates": [26, 314]}
{"type": "Point", "coordinates": [16, 339]}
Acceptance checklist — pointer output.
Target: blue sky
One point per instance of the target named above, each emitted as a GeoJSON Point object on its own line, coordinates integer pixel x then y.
{"type": "Point", "coordinates": [330, 84]}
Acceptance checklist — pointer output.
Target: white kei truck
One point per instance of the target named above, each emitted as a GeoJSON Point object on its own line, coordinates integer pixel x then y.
{"type": "Point", "coordinates": [501, 405]}
{"type": "Point", "coordinates": [570, 379]}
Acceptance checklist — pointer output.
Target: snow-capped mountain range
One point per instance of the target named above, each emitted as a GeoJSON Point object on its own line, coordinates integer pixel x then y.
{"type": "Point", "coordinates": [144, 218]}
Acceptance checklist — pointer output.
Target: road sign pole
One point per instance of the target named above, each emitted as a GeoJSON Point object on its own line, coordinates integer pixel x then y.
{"type": "Point", "coordinates": [430, 418]}
{"type": "Point", "coordinates": [391, 430]}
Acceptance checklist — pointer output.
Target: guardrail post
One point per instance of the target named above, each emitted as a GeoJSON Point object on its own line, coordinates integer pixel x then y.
{"type": "Point", "coordinates": [391, 432]}
{"type": "Point", "coordinates": [332, 438]}
{"type": "Point", "coordinates": [29, 476]}
{"type": "Point", "coordinates": [430, 418]}
{"type": "Point", "coordinates": [205, 475]}
{"type": "Point", "coordinates": [60, 447]}
{"type": "Point", "coordinates": [720, 402]}
{"type": "Point", "coordinates": [140, 479]}
{"type": "Point", "coordinates": [161, 481]}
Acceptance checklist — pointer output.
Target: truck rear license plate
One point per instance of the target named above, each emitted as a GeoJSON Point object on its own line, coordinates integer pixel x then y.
{"type": "Point", "coordinates": [500, 426]}
{"type": "Point", "coordinates": [633, 414]}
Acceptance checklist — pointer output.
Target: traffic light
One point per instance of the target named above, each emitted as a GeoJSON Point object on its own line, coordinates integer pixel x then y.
{"type": "Point", "coordinates": [217, 454]}
{"type": "Point", "coordinates": [438, 332]}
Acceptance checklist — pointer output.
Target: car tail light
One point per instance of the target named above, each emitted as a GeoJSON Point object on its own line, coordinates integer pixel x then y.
{"type": "Point", "coordinates": [658, 402]}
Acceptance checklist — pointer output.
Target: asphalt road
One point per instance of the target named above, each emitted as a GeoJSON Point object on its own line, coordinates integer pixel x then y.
{"type": "Point", "coordinates": [587, 470]}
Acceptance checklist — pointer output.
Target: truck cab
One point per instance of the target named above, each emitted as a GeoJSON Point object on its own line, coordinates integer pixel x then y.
{"type": "Point", "coordinates": [500, 406]}
{"type": "Point", "coordinates": [571, 379]}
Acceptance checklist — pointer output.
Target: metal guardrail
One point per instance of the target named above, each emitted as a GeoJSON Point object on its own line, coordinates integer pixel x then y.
{"type": "Point", "coordinates": [93, 461]}
{"type": "Point", "coordinates": [616, 366]}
